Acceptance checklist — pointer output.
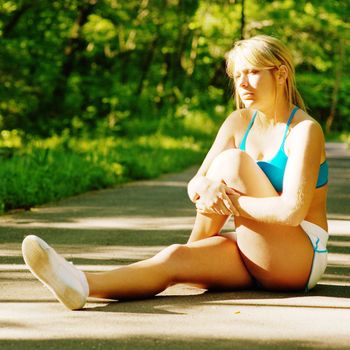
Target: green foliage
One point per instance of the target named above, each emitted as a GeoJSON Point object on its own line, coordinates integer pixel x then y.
{"type": "Point", "coordinates": [124, 70]}
{"type": "Point", "coordinates": [50, 169]}
{"type": "Point", "coordinates": [81, 64]}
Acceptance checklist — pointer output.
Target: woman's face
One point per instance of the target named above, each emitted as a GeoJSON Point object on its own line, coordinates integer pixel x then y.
{"type": "Point", "coordinates": [256, 86]}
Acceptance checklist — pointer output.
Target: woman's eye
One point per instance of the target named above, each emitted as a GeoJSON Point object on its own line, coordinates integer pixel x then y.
{"type": "Point", "coordinates": [254, 71]}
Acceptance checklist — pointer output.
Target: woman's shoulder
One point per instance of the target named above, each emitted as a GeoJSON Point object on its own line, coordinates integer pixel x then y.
{"type": "Point", "coordinates": [305, 128]}
{"type": "Point", "coordinates": [237, 123]}
{"type": "Point", "coordinates": [304, 123]}
{"type": "Point", "coordinates": [241, 117]}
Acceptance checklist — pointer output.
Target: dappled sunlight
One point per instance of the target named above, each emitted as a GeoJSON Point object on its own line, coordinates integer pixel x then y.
{"type": "Point", "coordinates": [88, 252]}
{"type": "Point", "coordinates": [172, 318]}
{"type": "Point", "coordinates": [97, 93]}
{"type": "Point", "coordinates": [339, 176]}
{"type": "Point", "coordinates": [139, 223]}
{"type": "Point", "coordinates": [332, 244]}
{"type": "Point", "coordinates": [338, 227]}
{"type": "Point", "coordinates": [337, 150]}
{"type": "Point", "coordinates": [105, 230]}
{"type": "Point", "coordinates": [161, 342]}
{"type": "Point", "coordinates": [336, 216]}
{"type": "Point", "coordinates": [339, 259]}
{"type": "Point", "coordinates": [151, 183]}
{"type": "Point", "coordinates": [339, 280]}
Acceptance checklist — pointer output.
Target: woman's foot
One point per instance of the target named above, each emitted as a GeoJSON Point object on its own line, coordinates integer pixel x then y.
{"type": "Point", "coordinates": [63, 279]}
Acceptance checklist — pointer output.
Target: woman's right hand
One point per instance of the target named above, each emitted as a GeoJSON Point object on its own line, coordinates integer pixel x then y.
{"type": "Point", "coordinates": [210, 196]}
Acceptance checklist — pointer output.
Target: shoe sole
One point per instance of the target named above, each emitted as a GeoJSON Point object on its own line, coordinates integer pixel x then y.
{"type": "Point", "coordinates": [37, 259]}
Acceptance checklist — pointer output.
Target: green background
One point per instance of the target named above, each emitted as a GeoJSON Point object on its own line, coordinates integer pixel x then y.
{"type": "Point", "coordinates": [93, 92]}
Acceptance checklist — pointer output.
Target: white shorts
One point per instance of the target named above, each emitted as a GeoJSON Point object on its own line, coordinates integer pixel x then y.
{"type": "Point", "coordinates": [319, 238]}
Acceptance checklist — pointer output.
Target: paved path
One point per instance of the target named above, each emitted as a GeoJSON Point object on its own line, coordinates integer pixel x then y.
{"type": "Point", "coordinates": [132, 222]}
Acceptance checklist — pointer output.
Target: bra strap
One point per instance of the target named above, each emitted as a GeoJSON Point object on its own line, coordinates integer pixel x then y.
{"type": "Point", "coordinates": [243, 142]}
{"type": "Point", "coordinates": [289, 121]}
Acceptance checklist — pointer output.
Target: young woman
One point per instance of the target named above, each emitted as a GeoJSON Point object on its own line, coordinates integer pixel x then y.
{"type": "Point", "coordinates": [266, 167]}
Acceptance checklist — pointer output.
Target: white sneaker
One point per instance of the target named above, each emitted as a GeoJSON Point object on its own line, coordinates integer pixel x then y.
{"type": "Point", "coordinates": [63, 279]}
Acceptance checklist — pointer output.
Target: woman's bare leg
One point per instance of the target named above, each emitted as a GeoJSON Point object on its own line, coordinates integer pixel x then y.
{"type": "Point", "coordinates": [207, 225]}
{"type": "Point", "coordinates": [278, 256]}
{"type": "Point", "coordinates": [268, 251]}
{"type": "Point", "coordinates": [232, 167]}
{"type": "Point", "coordinates": [214, 262]}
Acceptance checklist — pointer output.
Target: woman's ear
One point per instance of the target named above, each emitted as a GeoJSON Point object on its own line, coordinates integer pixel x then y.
{"type": "Point", "coordinates": [282, 74]}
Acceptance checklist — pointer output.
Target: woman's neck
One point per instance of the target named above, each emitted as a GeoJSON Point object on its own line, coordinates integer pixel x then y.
{"type": "Point", "coordinates": [276, 114]}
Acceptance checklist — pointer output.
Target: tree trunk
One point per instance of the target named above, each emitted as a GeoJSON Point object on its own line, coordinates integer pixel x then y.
{"type": "Point", "coordinates": [335, 92]}
{"type": "Point", "coordinates": [242, 20]}
{"type": "Point", "coordinates": [11, 24]}
{"type": "Point", "coordinates": [191, 63]}
{"type": "Point", "coordinates": [146, 64]}
{"type": "Point", "coordinates": [186, 11]}
{"type": "Point", "coordinates": [74, 45]}
{"type": "Point", "coordinates": [127, 46]}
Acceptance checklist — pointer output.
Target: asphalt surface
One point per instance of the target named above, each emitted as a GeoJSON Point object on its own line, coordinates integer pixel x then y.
{"type": "Point", "coordinates": [112, 227]}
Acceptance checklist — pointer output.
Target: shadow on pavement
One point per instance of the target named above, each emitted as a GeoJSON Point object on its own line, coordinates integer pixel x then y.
{"type": "Point", "coordinates": [155, 343]}
{"type": "Point", "coordinates": [164, 303]}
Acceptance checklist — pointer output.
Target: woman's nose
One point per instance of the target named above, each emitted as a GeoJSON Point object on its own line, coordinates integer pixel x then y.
{"type": "Point", "coordinates": [243, 81]}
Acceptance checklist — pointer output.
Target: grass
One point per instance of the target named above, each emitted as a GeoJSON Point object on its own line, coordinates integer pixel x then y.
{"type": "Point", "coordinates": [49, 169]}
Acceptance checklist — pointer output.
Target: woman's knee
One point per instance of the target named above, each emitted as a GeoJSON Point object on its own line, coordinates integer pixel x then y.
{"type": "Point", "coordinates": [238, 170]}
{"type": "Point", "coordinates": [172, 253]}
{"type": "Point", "coordinates": [228, 166]}
{"type": "Point", "coordinates": [173, 259]}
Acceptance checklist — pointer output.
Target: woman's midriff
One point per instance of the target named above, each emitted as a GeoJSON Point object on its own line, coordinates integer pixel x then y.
{"type": "Point", "coordinates": [317, 213]}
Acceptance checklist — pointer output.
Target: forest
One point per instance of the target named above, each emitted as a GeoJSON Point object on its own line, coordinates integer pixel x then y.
{"type": "Point", "coordinates": [93, 91]}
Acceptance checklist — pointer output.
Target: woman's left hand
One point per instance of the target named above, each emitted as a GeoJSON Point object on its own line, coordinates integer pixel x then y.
{"type": "Point", "coordinates": [233, 195]}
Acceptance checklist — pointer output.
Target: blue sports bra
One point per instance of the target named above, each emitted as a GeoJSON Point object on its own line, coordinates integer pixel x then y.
{"type": "Point", "coordinates": [274, 168]}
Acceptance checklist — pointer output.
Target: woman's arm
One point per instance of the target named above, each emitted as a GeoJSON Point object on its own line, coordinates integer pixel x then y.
{"type": "Point", "coordinates": [224, 140]}
{"type": "Point", "coordinates": [299, 183]}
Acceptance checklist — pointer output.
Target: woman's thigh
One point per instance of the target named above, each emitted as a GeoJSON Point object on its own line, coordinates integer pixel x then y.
{"type": "Point", "coordinates": [277, 256]}
{"type": "Point", "coordinates": [213, 262]}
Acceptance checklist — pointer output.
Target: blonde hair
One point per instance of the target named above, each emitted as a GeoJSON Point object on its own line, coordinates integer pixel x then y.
{"type": "Point", "coordinates": [265, 52]}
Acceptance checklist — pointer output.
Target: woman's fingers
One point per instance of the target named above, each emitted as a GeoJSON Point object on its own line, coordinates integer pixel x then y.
{"type": "Point", "coordinates": [220, 209]}
{"type": "Point", "coordinates": [229, 190]}
{"type": "Point", "coordinates": [225, 199]}
{"type": "Point", "coordinates": [229, 205]}
{"type": "Point", "coordinates": [218, 201]}
{"type": "Point", "coordinates": [209, 207]}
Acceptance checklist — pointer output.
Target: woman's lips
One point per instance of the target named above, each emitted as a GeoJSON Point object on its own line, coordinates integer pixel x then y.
{"type": "Point", "coordinates": [247, 95]}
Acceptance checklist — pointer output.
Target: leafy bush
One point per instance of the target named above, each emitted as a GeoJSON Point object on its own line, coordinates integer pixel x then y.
{"type": "Point", "coordinates": [50, 169]}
